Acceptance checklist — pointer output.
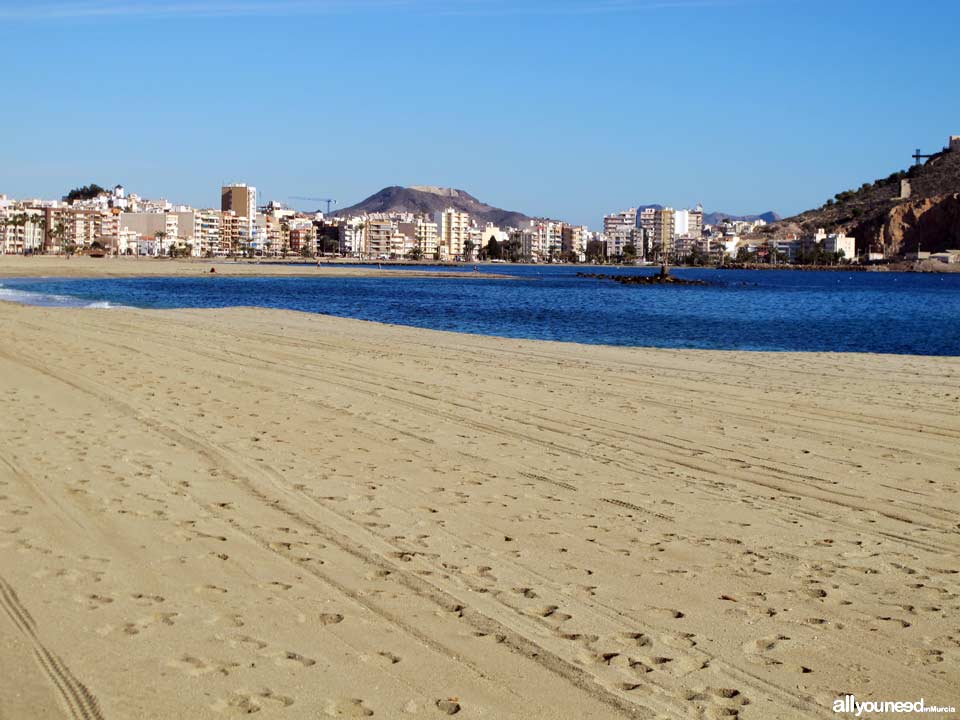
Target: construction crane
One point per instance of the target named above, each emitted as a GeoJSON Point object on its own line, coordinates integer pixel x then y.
{"type": "Point", "coordinates": [328, 201]}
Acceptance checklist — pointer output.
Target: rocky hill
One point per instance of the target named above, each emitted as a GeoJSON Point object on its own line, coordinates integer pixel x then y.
{"type": "Point", "coordinates": [429, 199]}
{"type": "Point", "coordinates": [919, 207]}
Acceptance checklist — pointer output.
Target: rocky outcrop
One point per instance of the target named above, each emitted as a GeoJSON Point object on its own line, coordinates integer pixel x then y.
{"type": "Point", "coordinates": [930, 224]}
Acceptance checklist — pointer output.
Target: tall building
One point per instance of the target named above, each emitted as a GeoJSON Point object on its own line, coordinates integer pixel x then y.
{"type": "Point", "coordinates": [575, 239]}
{"type": "Point", "coordinates": [620, 223]}
{"type": "Point", "coordinates": [621, 230]}
{"type": "Point", "coordinates": [454, 231]}
{"type": "Point", "coordinates": [426, 234]}
{"type": "Point", "coordinates": [241, 200]}
{"type": "Point", "coordinates": [663, 231]}
{"type": "Point", "coordinates": [382, 238]}
{"type": "Point", "coordinates": [689, 223]}
{"type": "Point", "coordinates": [352, 237]}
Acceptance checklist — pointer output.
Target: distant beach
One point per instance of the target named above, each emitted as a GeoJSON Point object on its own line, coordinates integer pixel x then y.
{"type": "Point", "coordinates": [82, 266]}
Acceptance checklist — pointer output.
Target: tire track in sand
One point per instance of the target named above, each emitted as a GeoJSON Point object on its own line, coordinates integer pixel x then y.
{"type": "Point", "coordinates": [79, 701]}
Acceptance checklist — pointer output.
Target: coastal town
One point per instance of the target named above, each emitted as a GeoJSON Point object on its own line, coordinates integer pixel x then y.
{"type": "Point", "coordinates": [97, 221]}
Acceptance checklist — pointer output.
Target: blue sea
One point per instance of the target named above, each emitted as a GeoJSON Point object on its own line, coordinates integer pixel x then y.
{"type": "Point", "coordinates": [878, 312]}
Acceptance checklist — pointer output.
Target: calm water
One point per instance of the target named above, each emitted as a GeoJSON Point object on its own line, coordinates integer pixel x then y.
{"type": "Point", "coordinates": [743, 310]}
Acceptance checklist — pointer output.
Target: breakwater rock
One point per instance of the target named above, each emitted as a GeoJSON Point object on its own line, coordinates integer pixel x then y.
{"type": "Point", "coordinates": [660, 279]}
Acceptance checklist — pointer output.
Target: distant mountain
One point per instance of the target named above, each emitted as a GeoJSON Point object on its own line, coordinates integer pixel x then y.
{"type": "Point", "coordinates": [717, 217]}
{"type": "Point", "coordinates": [429, 199]}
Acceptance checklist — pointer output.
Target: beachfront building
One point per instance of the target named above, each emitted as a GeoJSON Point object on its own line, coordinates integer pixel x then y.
{"type": "Point", "coordinates": [302, 236]}
{"type": "Point", "coordinates": [620, 230]}
{"type": "Point", "coordinates": [454, 227]}
{"type": "Point", "coordinates": [352, 236]}
{"type": "Point", "coordinates": [620, 222]}
{"type": "Point", "coordinates": [379, 238]}
{"type": "Point", "coordinates": [241, 200]}
{"type": "Point", "coordinates": [839, 243]}
{"type": "Point", "coordinates": [233, 233]}
{"type": "Point", "coordinates": [646, 220]}
{"type": "Point", "coordinates": [661, 240]}
{"type": "Point", "coordinates": [574, 239]}
{"type": "Point", "coordinates": [22, 228]}
{"type": "Point", "coordinates": [426, 233]}
{"type": "Point", "coordinates": [163, 229]}
{"type": "Point", "coordinates": [207, 240]}
{"type": "Point", "coordinates": [128, 242]}
{"type": "Point", "coordinates": [688, 223]}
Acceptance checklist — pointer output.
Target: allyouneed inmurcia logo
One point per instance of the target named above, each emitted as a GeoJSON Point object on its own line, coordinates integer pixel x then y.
{"type": "Point", "coordinates": [849, 704]}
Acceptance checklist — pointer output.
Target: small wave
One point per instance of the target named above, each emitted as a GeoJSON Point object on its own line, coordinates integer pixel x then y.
{"type": "Point", "coordinates": [27, 297]}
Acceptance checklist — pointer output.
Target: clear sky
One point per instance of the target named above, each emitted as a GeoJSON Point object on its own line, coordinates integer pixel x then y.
{"type": "Point", "coordinates": [569, 108]}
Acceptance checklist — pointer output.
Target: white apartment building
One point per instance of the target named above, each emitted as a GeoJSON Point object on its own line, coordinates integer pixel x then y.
{"type": "Point", "coordinates": [427, 236]}
{"type": "Point", "coordinates": [21, 228]}
{"type": "Point", "coordinates": [837, 243]}
{"type": "Point", "coordinates": [621, 230]}
{"type": "Point", "coordinates": [688, 223]}
{"type": "Point", "coordinates": [207, 238]}
{"type": "Point", "coordinates": [352, 237]}
{"type": "Point", "coordinates": [454, 229]}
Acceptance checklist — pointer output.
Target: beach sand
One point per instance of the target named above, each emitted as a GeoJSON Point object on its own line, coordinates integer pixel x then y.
{"type": "Point", "coordinates": [206, 513]}
{"type": "Point", "coordinates": [82, 266]}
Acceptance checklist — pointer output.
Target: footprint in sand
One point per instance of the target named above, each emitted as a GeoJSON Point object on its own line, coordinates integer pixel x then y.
{"type": "Point", "coordinates": [758, 648]}
{"type": "Point", "coordinates": [142, 599]}
{"type": "Point", "coordinates": [197, 667]}
{"type": "Point", "coordinates": [138, 626]}
{"type": "Point", "coordinates": [210, 589]}
{"type": "Point", "coordinates": [388, 657]}
{"type": "Point", "coordinates": [244, 703]}
{"type": "Point", "coordinates": [347, 707]}
{"type": "Point", "coordinates": [288, 657]}
{"type": "Point", "coordinates": [552, 613]}
{"type": "Point", "coordinates": [718, 702]}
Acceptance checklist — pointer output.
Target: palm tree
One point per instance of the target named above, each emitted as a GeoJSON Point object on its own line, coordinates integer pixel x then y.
{"type": "Point", "coordinates": [160, 236]}
{"type": "Point", "coordinates": [284, 237]}
{"type": "Point", "coordinates": [40, 222]}
{"type": "Point", "coordinates": [59, 233]}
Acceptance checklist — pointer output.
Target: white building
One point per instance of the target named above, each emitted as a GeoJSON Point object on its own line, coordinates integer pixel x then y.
{"type": "Point", "coordinates": [454, 231]}
{"type": "Point", "coordinates": [837, 243]}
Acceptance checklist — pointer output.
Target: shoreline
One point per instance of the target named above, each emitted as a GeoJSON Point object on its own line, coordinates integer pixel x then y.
{"type": "Point", "coordinates": [48, 266]}
{"type": "Point", "coordinates": [303, 514]}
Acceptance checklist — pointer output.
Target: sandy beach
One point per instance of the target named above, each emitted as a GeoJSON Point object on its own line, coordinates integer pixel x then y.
{"type": "Point", "coordinates": [82, 266]}
{"type": "Point", "coordinates": [207, 513]}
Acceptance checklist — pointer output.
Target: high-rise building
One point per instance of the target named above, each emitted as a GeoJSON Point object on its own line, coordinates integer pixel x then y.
{"type": "Point", "coordinates": [426, 235]}
{"type": "Point", "coordinates": [688, 223]}
{"type": "Point", "coordinates": [241, 200]}
{"type": "Point", "coordinates": [620, 223]}
{"type": "Point", "coordinates": [454, 231]}
{"type": "Point", "coordinates": [663, 231]}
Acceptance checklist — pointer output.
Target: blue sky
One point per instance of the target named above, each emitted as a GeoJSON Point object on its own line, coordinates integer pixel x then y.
{"type": "Point", "coordinates": [569, 108]}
